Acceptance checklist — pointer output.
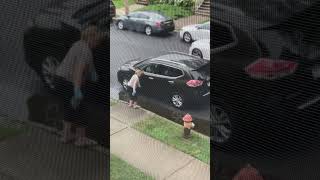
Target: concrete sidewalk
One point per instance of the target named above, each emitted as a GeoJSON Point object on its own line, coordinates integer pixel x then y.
{"type": "Point", "coordinates": [147, 154]}
{"type": "Point", "coordinates": [38, 155]}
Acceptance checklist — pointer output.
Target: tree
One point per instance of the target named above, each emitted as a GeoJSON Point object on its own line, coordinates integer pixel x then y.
{"type": "Point", "coordinates": [126, 7]}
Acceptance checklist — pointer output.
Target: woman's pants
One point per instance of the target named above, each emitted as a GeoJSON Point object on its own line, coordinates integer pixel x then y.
{"type": "Point", "coordinates": [130, 91]}
{"type": "Point", "coordinates": [77, 116]}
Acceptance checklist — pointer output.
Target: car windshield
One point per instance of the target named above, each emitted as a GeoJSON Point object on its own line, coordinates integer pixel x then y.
{"type": "Point", "coordinates": [269, 11]}
{"type": "Point", "coordinates": [157, 16]}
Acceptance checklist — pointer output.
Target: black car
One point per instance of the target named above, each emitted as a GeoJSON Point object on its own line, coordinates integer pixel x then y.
{"type": "Point", "coordinates": [149, 22]}
{"type": "Point", "coordinates": [179, 78]}
{"type": "Point", "coordinates": [52, 33]}
{"type": "Point", "coordinates": [265, 76]}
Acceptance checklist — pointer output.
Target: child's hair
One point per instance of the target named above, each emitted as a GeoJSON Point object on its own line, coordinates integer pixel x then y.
{"type": "Point", "coordinates": [139, 72]}
{"type": "Point", "coordinates": [91, 32]}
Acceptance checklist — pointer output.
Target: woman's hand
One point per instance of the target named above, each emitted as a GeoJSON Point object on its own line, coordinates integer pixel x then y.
{"type": "Point", "coordinates": [76, 98]}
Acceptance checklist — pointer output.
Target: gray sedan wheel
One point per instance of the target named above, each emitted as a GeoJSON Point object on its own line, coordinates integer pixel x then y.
{"type": "Point", "coordinates": [148, 30]}
{"type": "Point", "coordinates": [120, 25]}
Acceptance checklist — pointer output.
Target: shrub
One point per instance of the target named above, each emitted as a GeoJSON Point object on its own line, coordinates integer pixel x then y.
{"type": "Point", "coordinates": [181, 3]}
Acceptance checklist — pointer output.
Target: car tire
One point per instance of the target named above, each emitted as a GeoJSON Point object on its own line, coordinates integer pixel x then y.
{"type": "Point", "coordinates": [177, 100]}
{"type": "Point", "coordinates": [120, 25]}
{"type": "Point", "coordinates": [197, 52]}
{"type": "Point", "coordinates": [47, 71]}
{"type": "Point", "coordinates": [187, 37]}
{"type": "Point", "coordinates": [222, 120]}
{"type": "Point", "coordinates": [148, 30]}
{"type": "Point", "coordinates": [124, 83]}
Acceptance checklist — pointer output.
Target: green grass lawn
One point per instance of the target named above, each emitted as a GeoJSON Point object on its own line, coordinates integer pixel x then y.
{"type": "Point", "coordinates": [171, 133]}
{"type": "Point", "coordinates": [174, 12]}
{"type": "Point", "coordinates": [113, 102]}
{"type": "Point", "coordinates": [120, 170]}
{"type": "Point", "coordinates": [120, 3]}
{"type": "Point", "coordinates": [8, 132]}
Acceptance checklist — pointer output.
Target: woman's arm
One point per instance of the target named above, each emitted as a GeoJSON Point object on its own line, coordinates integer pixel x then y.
{"type": "Point", "coordinates": [78, 72]}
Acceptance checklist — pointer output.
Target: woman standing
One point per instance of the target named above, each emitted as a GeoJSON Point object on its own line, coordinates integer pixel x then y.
{"type": "Point", "coordinates": [133, 86]}
{"type": "Point", "coordinates": [71, 76]}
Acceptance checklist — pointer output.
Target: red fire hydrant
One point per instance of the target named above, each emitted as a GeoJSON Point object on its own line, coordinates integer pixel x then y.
{"type": "Point", "coordinates": [188, 125]}
{"type": "Point", "coordinates": [247, 173]}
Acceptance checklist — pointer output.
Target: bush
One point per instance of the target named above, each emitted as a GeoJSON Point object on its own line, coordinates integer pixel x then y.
{"type": "Point", "coordinates": [180, 3]}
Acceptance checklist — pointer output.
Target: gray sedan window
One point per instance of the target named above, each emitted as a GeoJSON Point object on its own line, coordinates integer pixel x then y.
{"type": "Point", "coordinates": [134, 15]}
{"type": "Point", "coordinates": [143, 16]}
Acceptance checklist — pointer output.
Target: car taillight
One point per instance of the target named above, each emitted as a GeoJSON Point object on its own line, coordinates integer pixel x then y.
{"type": "Point", "coordinates": [265, 68]}
{"type": "Point", "coordinates": [194, 83]}
{"type": "Point", "coordinates": [158, 24]}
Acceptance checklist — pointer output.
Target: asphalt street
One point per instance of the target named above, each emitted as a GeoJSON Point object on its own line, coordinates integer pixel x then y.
{"type": "Point", "coordinates": [126, 45]}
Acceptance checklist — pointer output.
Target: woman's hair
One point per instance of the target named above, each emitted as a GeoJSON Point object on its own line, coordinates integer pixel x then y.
{"type": "Point", "coordinates": [91, 33]}
{"type": "Point", "coordinates": [139, 72]}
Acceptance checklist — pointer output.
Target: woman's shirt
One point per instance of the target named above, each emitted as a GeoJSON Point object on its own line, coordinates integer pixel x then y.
{"type": "Point", "coordinates": [134, 82]}
{"type": "Point", "coordinates": [78, 53]}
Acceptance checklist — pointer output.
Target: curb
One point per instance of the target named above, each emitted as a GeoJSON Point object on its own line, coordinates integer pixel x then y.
{"type": "Point", "coordinates": [154, 114]}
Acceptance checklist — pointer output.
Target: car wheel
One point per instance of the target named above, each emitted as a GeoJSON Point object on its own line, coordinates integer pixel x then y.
{"type": "Point", "coordinates": [125, 83]}
{"type": "Point", "coordinates": [48, 69]}
{"type": "Point", "coordinates": [197, 52]}
{"type": "Point", "coordinates": [148, 30]}
{"type": "Point", "coordinates": [177, 100]}
{"type": "Point", "coordinates": [222, 124]}
{"type": "Point", "coordinates": [187, 37]}
{"type": "Point", "coordinates": [120, 25]}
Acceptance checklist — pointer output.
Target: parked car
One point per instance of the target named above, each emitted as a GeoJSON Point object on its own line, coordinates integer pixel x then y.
{"type": "Point", "coordinates": [149, 22]}
{"type": "Point", "coordinates": [50, 35]}
{"type": "Point", "coordinates": [48, 38]}
{"type": "Point", "coordinates": [195, 32]}
{"type": "Point", "coordinates": [201, 48]}
{"type": "Point", "coordinates": [265, 77]}
{"type": "Point", "coordinates": [176, 77]}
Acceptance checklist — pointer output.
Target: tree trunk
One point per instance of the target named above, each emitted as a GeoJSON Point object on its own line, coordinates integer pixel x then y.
{"type": "Point", "coordinates": [126, 6]}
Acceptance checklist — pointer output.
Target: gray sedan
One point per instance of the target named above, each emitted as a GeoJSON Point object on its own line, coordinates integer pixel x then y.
{"type": "Point", "coordinates": [149, 22]}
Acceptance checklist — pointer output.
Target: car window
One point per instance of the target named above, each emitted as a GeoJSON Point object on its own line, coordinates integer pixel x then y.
{"type": "Point", "coordinates": [169, 71]}
{"type": "Point", "coordinates": [143, 16]}
{"type": "Point", "coordinates": [157, 16]}
{"type": "Point", "coordinates": [134, 15]}
{"type": "Point", "coordinates": [152, 68]}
